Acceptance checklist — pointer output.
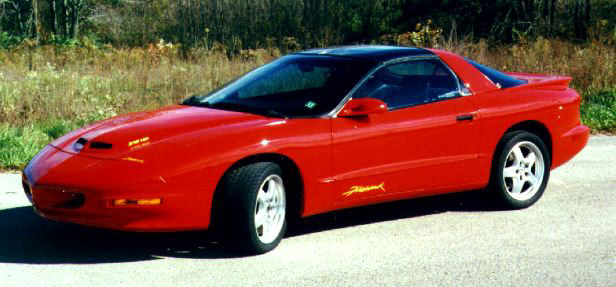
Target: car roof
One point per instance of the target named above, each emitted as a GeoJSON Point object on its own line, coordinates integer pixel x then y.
{"type": "Point", "coordinates": [371, 52]}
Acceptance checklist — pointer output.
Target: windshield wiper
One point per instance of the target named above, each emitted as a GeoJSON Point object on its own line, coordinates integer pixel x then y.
{"type": "Point", "coordinates": [190, 101]}
{"type": "Point", "coordinates": [194, 101]}
{"type": "Point", "coordinates": [246, 109]}
{"type": "Point", "coordinates": [276, 114]}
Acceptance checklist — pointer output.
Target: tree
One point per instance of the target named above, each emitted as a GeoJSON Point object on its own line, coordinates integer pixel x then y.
{"type": "Point", "coordinates": [36, 27]}
{"type": "Point", "coordinates": [73, 16]}
{"type": "Point", "coordinates": [240, 24]}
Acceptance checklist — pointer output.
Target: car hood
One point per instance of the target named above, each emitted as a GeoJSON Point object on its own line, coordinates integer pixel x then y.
{"type": "Point", "coordinates": [116, 137]}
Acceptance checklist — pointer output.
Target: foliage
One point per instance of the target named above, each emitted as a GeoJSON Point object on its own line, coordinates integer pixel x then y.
{"type": "Point", "coordinates": [47, 91]}
{"type": "Point", "coordinates": [19, 144]}
{"type": "Point", "coordinates": [599, 110]}
{"type": "Point", "coordinates": [9, 41]}
{"type": "Point", "coordinates": [425, 35]}
{"type": "Point", "coordinates": [294, 24]}
{"type": "Point", "coordinates": [65, 63]}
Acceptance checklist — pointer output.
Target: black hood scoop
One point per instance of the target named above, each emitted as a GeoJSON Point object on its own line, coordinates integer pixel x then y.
{"type": "Point", "coordinates": [82, 142]}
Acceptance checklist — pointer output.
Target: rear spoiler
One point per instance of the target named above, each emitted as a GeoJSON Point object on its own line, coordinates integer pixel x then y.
{"type": "Point", "coordinates": [542, 81]}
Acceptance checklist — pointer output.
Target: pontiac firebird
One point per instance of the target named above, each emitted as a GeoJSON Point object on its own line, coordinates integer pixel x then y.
{"type": "Point", "coordinates": [311, 132]}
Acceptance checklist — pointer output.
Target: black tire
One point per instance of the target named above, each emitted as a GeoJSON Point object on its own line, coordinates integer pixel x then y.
{"type": "Point", "coordinates": [502, 186]}
{"type": "Point", "coordinates": [240, 189]}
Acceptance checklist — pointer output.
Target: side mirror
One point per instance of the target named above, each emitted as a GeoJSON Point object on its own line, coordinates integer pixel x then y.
{"type": "Point", "coordinates": [362, 107]}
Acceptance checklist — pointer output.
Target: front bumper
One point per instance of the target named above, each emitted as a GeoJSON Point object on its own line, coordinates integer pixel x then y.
{"type": "Point", "coordinates": [61, 191]}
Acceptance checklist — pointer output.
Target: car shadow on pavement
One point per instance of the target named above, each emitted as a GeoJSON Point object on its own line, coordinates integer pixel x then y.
{"type": "Point", "coordinates": [470, 201]}
{"type": "Point", "coordinates": [25, 238]}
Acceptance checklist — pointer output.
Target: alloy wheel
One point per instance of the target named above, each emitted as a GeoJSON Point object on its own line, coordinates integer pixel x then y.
{"type": "Point", "coordinates": [523, 171]}
{"type": "Point", "coordinates": [270, 209]}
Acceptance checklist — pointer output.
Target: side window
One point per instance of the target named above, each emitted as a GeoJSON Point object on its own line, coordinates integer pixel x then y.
{"type": "Point", "coordinates": [410, 83]}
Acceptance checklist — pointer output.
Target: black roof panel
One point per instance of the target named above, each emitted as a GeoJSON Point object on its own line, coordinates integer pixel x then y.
{"type": "Point", "coordinates": [371, 52]}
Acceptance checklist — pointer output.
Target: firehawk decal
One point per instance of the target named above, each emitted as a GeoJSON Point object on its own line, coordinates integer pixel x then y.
{"type": "Point", "coordinates": [138, 141]}
{"type": "Point", "coordinates": [361, 189]}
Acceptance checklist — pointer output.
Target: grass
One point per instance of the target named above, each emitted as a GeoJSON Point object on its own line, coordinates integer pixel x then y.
{"type": "Point", "coordinates": [47, 91]}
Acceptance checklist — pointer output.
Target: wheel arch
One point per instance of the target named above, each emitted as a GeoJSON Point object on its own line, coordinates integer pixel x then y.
{"type": "Point", "coordinates": [290, 173]}
{"type": "Point", "coordinates": [531, 126]}
{"type": "Point", "coordinates": [536, 128]}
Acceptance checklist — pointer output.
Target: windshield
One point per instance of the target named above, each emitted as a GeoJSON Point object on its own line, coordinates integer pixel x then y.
{"type": "Point", "coordinates": [295, 85]}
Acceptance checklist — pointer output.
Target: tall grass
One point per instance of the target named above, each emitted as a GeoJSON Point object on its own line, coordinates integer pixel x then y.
{"type": "Point", "coordinates": [591, 65]}
{"type": "Point", "coordinates": [47, 91]}
{"type": "Point", "coordinates": [86, 84]}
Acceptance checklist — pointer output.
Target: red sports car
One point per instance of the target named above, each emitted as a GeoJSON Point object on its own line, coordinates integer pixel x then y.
{"type": "Point", "coordinates": [311, 132]}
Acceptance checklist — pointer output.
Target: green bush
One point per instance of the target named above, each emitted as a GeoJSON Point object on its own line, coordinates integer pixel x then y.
{"type": "Point", "coordinates": [8, 41]}
{"type": "Point", "coordinates": [599, 110]}
{"type": "Point", "coordinates": [19, 144]}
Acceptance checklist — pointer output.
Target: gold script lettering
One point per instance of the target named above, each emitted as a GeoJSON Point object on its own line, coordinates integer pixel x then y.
{"type": "Point", "coordinates": [361, 189]}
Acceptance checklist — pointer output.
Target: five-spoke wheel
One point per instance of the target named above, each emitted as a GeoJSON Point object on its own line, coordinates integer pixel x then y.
{"type": "Point", "coordinates": [521, 169]}
{"type": "Point", "coordinates": [254, 207]}
{"type": "Point", "coordinates": [270, 209]}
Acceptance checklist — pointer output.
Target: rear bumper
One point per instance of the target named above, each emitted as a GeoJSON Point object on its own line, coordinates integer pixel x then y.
{"type": "Point", "coordinates": [570, 143]}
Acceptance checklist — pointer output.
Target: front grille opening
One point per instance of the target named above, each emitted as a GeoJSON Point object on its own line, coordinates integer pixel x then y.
{"type": "Point", "coordinates": [100, 145]}
{"type": "Point", "coordinates": [76, 201]}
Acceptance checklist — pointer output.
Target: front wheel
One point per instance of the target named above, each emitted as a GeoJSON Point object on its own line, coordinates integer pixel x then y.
{"type": "Point", "coordinates": [255, 207]}
{"type": "Point", "coordinates": [521, 171]}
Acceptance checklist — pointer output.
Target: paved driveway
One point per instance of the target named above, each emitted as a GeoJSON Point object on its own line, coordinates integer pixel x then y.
{"type": "Point", "coordinates": [567, 239]}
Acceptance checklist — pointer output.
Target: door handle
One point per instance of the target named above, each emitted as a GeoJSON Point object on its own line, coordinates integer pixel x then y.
{"type": "Point", "coordinates": [466, 117]}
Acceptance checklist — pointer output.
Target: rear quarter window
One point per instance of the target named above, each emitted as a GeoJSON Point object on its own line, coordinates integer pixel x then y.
{"type": "Point", "coordinates": [499, 78]}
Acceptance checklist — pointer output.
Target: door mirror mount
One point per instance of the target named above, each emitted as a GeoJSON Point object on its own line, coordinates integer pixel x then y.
{"type": "Point", "coordinates": [362, 107]}
{"type": "Point", "coordinates": [465, 90]}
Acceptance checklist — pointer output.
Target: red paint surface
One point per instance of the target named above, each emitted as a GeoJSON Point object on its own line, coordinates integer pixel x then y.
{"type": "Point", "coordinates": [180, 153]}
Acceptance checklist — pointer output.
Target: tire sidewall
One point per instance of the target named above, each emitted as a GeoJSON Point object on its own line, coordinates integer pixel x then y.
{"type": "Point", "coordinates": [508, 142]}
{"type": "Point", "coordinates": [242, 187]}
{"type": "Point", "coordinates": [251, 205]}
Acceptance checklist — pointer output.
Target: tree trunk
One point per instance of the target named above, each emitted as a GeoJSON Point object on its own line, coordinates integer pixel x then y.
{"type": "Point", "coordinates": [529, 10]}
{"type": "Point", "coordinates": [587, 15]}
{"type": "Point", "coordinates": [36, 28]}
{"type": "Point", "coordinates": [64, 18]}
{"type": "Point", "coordinates": [578, 20]}
{"type": "Point", "coordinates": [74, 16]}
{"type": "Point", "coordinates": [20, 21]}
{"type": "Point", "coordinates": [552, 11]}
{"type": "Point", "coordinates": [53, 16]}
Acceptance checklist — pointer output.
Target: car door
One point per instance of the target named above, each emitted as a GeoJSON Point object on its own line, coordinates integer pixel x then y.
{"type": "Point", "coordinates": [426, 141]}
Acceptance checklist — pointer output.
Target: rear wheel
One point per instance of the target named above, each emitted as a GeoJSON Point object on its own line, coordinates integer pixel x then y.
{"type": "Point", "coordinates": [521, 171]}
{"type": "Point", "coordinates": [255, 204]}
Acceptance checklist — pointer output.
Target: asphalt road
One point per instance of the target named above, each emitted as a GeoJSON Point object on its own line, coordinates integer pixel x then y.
{"type": "Point", "coordinates": [567, 239]}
